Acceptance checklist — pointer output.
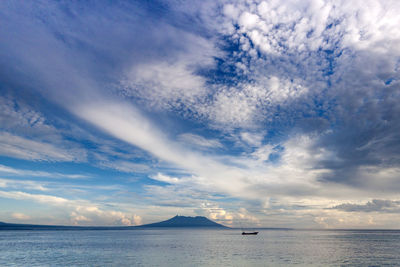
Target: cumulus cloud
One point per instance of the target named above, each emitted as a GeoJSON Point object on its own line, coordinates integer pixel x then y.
{"type": "Point", "coordinates": [81, 212]}
{"type": "Point", "coordinates": [88, 215]}
{"type": "Point", "coordinates": [344, 66]}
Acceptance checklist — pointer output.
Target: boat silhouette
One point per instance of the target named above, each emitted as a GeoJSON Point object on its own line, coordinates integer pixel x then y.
{"type": "Point", "coordinates": [249, 233]}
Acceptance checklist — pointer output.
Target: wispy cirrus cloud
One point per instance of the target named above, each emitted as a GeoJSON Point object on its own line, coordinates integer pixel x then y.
{"type": "Point", "coordinates": [23, 184]}
{"type": "Point", "coordinates": [29, 173]}
{"type": "Point", "coordinates": [20, 147]}
{"type": "Point", "coordinates": [199, 141]}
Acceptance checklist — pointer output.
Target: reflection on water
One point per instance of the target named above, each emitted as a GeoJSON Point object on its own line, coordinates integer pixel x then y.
{"type": "Point", "coordinates": [187, 247]}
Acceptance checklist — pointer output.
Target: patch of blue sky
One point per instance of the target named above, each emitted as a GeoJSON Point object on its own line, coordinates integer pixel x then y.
{"type": "Point", "coordinates": [226, 72]}
{"type": "Point", "coordinates": [389, 81]}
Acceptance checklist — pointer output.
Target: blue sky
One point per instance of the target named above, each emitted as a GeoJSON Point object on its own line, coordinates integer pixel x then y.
{"type": "Point", "coordinates": [264, 113]}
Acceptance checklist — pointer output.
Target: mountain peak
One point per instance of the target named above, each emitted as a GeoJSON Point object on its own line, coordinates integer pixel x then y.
{"type": "Point", "coordinates": [186, 221]}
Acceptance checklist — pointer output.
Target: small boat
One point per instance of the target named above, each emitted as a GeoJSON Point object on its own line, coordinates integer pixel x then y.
{"type": "Point", "coordinates": [249, 233]}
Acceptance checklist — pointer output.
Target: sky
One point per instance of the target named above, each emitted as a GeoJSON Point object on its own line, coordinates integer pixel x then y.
{"type": "Point", "coordinates": [257, 113]}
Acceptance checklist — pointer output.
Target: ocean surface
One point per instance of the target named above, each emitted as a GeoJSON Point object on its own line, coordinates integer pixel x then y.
{"type": "Point", "coordinates": [189, 247]}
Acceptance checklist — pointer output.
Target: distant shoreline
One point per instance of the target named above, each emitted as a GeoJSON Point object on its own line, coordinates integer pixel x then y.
{"type": "Point", "coordinates": [35, 227]}
{"type": "Point", "coordinates": [22, 227]}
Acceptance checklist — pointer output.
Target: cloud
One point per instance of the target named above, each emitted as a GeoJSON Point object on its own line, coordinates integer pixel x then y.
{"type": "Point", "coordinates": [125, 122]}
{"type": "Point", "coordinates": [54, 200]}
{"type": "Point", "coordinates": [376, 205]}
{"type": "Point", "coordinates": [19, 172]}
{"type": "Point", "coordinates": [174, 81]}
{"type": "Point", "coordinates": [166, 179]}
{"type": "Point", "coordinates": [252, 139]}
{"type": "Point", "coordinates": [81, 212]}
{"type": "Point", "coordinates": [20, 147]}
{"type": "Point", "coordinates": [125, 166]}
{"type": "Point", "coordinates": [20, 216]}
{"type": "Point", "coordinates": [23, 184]}
{"type": "Point", "coordinates": [18, 116]}
{"type": "Point", "coordinates": [263, 153]}
{"type": "Point", "coordinates": [199, 141]}
{"type": "Point", "coordinates": [340, 68]}
{"type": "Point", "coordinates": [297, 173]}
{"type": "Point", "coordinates": [87, 215]}
{"type": "Point", "coordinates": [216, 213]}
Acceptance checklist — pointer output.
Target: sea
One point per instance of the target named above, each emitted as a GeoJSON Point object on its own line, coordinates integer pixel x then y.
{"type": "Point", "coordinates": [199, 247]}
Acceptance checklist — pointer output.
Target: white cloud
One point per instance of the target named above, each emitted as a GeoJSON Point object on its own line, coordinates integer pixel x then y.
{"type": "Point", "coordinates": [216, 213]}
{"type": "Point", "coordinates": [123, 121]}
{"type": "Point", "coordinates": [298, 28]}
{"type": "Point", "coordinates": [296, 173]}
{"type": "Point", "coordinates": [20, 172]}
{"type": "Point", "coordinates": [89, 215]}
{"type": "Point", "coordinates": [162, 83]}
{"type": "Point", "coordinates": [246, 105]}
{"type": "Point", "coordinates": [164, 178]}
{"type": "Point", "coordinates": [23, 184]}
{"type": "Point", "coordinates": [231, 11]}
{"type": "Point", "coordinates": [231, 108]}
{"type": "Point", "coordinates": [199, 141]}
{"type": "Point", "coordinates": [263, 153]}
{"type": "Point", "coordinates": [54, 200]}
{"type": "Point", "coordinates": [245, 218]}
{"type": "Point", "coordinates": [248, 20]}
{"type": "Point", "coordinates": [20, 216]}
{"type": "Point", "coordinates": [14, 115]}
{"type": "Point", "coordinates": [173, 82]}
{"type": "Point", "coordinates": [20, 147]}
{"type": "Point", "coordinates": [125, 166]}
{"type": "Point", "coordinates": [376, 205]}
{"type": "Point", "coordinates": [252, 139]}
{"type": "Point", "coordinates": [78, 212]}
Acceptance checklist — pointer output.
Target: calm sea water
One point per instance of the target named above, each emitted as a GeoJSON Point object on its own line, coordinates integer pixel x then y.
{"type": "Point", "coordinates": [185, 247]}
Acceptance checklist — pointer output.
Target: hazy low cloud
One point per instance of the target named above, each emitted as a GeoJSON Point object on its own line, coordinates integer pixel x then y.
{"type": "Point", "coordinates": [376, 205]}
{"type": "Point", "coordinates": [20, 216]}
{"type": "Point", "coordinates": [81, 212]}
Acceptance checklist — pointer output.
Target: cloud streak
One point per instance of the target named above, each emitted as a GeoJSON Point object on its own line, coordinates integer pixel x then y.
{"type": "Point", "coordinates": [19, 172]}
{"type": "Point", "coordinates": [376, 205]}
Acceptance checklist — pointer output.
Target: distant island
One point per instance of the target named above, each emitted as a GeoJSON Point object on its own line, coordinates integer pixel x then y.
{"type": "Point", "coordinates": [186, 221]}
{"type": "Point", "coordinates": [177, 221]}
